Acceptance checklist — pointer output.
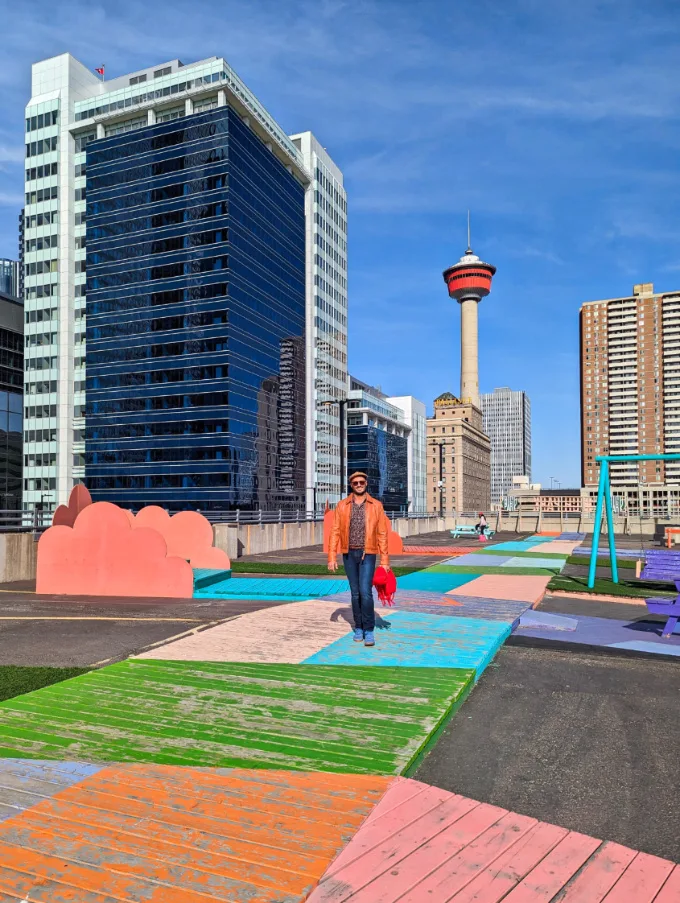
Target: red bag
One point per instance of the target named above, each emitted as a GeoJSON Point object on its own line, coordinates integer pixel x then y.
{"type": "Point", "coordinates": [386, 584]}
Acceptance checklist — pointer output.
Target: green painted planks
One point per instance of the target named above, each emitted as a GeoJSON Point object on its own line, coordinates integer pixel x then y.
{"type": "Point", "coordinates": [309, 717]}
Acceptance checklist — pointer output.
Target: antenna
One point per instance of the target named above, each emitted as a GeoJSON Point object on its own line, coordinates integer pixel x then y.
{"type": "Point", "coordinates": [469, 247]}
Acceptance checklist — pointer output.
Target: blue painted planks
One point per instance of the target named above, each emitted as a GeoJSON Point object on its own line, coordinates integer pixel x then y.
{"type": "Point", "coordinates": [272, 588]}
{"type": "Point", "coordinates": [25, 783]}
{"type": "Point", "coordinates": [421, 641]}
{"type": "Point", "coordinates": [551, 564]}
{"type": "Point", "coordinates": [640, 635]}
{"type": "Point", "coordinates": [433, 582]}
{"type": "Point", "coordinates": [478, 559]}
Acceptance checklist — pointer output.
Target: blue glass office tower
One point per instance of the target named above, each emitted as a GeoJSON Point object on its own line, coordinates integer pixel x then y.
{"type": "Point", "coordinates": [383, 457]}
{"type": "Point", "coordinates": [195, 318]}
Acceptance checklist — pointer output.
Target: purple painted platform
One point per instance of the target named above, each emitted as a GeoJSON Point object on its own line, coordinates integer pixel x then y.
{"type": "Point", "coordinates": [445, 604]}
{"type": "Point", "coordinates": [640, 635]}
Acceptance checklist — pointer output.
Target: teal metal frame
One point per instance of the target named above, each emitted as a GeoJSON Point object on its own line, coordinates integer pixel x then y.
{"type": "Point", "coordinates": [604, 496]}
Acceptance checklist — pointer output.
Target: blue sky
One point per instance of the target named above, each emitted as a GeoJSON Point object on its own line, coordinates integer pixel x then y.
{"type": "Point", "coordinates": [555, 122]}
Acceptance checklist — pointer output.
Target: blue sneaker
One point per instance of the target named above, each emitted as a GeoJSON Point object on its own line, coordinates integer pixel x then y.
{"type": "Point", "coordinates": [369, 639]}
{"type": "Point", "coordinates": [358, 635]}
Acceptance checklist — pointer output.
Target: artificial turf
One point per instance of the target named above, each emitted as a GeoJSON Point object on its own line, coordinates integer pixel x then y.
{"type": "Point", "coordinates": [307, 570]}
{"type": "Point", "coordinates": [604, 587]}
{"type": "Point", "coordinates": [602, 562]}
{"type": "Point", "coordinates": [480, 570]}
{"type": "Point", "coordinates": [16, 680]}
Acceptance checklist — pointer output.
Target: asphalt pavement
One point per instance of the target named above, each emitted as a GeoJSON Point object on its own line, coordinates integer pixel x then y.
{"type": "Point", "coordinates": [57, 631]}
{"type": "Point", "coordinates": [584, 741]}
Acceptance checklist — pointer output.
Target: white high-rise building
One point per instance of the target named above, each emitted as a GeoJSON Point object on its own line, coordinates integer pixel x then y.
{"type": "Point", "coordinates": [507, 423]}
{"type": "Point", "coordinates": [71, 106]}
{"type": "Point", "coordinates": [415, 415]}
{"type": "Point", "coordinates": [326, 210]}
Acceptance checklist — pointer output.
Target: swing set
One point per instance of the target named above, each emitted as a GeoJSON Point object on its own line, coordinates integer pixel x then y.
{"type": "Point", "coordinates": [604, 497]}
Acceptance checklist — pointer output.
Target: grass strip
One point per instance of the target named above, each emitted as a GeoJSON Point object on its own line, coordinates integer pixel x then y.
{"type": "Point", "coordinates": [480, 570]}
{"type": "Point", "coordinates": [557, 556]}
{"type": "Point", "coordinates": [638, 588]}
{"type": "Point", "coordinates": [299, 570]}
{"type": "Point", "coordinates": [15, 680]}
{"type": "Point", "coordinates": [602, 562]}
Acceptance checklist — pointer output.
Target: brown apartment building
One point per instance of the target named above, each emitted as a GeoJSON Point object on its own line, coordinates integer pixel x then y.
{"type": "Point", "coordinates": [458, 458]}
{"type": "Point", "coordinates": [630, 387]}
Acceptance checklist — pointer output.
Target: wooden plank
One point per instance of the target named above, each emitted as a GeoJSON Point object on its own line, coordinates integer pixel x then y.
{"type": "Point", "coordinates": [670, 892]}
{"type": "Point", "coordinates": [256, 837]}
{"type": "Point", "coordinates": [313, 718]}
{"type": "Point", "coordinates": [599, 874]}
{"type": "Point", "coordinates": [551, 875]}
{"type": "Point", "coordinates": [291, 633]}
{"type": "Point", "coordinates": [365, 880]}
{"type": "Point", "coordinates": [642, 880]}
{"type": "Point", "coordinates": [422, 640]}
{"type": "Point", "coordinates": [442, 866]}
{"type": "Point", "coordinates": [499, 877]}
{"type": "Point", "coordinates": [396, 811]}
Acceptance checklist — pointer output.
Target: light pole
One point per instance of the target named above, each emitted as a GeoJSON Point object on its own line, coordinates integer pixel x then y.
{"type": "Point", "coordinates": [342, 404]}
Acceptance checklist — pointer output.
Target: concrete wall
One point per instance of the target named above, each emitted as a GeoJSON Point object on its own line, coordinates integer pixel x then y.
{"type": "Point", "coordinates": [18, 556]}
{"type": "Point", "coordinates": [255, 540]}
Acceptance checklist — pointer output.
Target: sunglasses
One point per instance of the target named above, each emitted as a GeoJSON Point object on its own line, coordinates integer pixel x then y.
{"type": "Point", "coordinates": [358, 483]}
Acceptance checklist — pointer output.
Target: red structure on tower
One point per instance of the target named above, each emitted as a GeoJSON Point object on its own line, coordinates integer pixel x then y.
{"type": "Point", "coordinates": [468, 282]}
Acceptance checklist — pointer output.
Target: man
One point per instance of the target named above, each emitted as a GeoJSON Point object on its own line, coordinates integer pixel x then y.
{"type": "Point", "coordinates": [360, 532]}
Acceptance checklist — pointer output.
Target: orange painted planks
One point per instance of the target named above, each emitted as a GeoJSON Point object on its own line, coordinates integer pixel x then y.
{"type": "Point", "coordinates": [599, 874]}
{"type": "Point", "coordinates": [177, 835]}
{"type": "Point", "coordinates": [550, 876]}
{"type": "Point", "coordinates": [499, 877]}
{"type": "Point", "coordinates": [641, 881]}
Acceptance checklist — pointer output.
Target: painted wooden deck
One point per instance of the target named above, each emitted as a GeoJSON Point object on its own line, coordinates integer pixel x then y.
{"type": "Point", "coordinates": [180, 835]}
{"type": "Point", "coordinates": [288, 633]}
{"type": "Point", "coordinates": [271, 588]}
{"type": "Point", "coordinates": [425, 844]}
{"type": "Point", "coordinates": [421, 640]}
{"type": "Point", "coordinates": [512, 587]}
{"type": "Point", "coordinates": [431, 581]}
{"type": "Point", "coordinates": [303, 717]}
{"type": "Point", "coordinates": [636, 635]}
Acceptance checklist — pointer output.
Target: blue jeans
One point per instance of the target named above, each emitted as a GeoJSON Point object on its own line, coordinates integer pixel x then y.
{"type": "Point", "coordinates": [360, 569]}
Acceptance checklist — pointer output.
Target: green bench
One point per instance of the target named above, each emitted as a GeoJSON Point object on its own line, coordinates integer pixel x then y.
{"type": "Point", "coordinates": [469, 530]}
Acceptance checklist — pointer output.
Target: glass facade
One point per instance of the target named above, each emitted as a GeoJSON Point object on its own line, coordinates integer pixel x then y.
{"type": "Point", "coordinates": [11, 403]}
{"type": "Point", "coordinates": [195, 344]}
{"type": "Point", "coordinates": [383, 457]}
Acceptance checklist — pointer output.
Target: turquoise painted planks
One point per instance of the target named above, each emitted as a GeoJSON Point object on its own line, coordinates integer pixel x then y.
{"type": "Point", "coordinates": [272, 588]}
{"type": "Point", "coordinates": [432, 581]}
{"type": "Point", "coordinates": [303, 717]}
{"type": "Point", "coordinates": [422, 641]}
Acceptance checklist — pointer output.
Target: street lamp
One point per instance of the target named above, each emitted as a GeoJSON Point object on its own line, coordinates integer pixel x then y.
{"type": "Point", "coordinates": [342, 404]}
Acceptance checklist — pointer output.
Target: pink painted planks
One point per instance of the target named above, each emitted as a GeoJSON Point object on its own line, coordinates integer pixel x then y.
{"type": "Point", "coordinates": [511, 587]}
{"type": "Point", "coordinates": [557, 546]}
{"type": "Point", "coordinates": [422, 844]}
{"type": "Point", "coordinates": [642, 880]}
{"type": "Point", "coordinates": [288, 633]}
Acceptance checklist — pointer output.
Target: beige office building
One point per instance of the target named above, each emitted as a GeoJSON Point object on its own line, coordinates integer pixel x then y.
{"type": "Point", "coordinates": [458, 458]}
{"type": "Point", "coordinates": [630, 386]}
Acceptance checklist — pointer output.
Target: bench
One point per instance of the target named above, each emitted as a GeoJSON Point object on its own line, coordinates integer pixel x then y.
{"type": "Point", "coordinates": [663, 566]}
{"type": "Point", "coordinates": [469, 530]}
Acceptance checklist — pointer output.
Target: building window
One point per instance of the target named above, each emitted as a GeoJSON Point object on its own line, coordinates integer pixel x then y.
{"type": "Point", "coordinates": [138, 79]}
{"type": "Point", "coordinates": [166, 70]}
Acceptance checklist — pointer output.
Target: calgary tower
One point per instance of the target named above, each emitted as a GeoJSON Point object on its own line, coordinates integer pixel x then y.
{"type": "Point", "coordinates": [468, 282]}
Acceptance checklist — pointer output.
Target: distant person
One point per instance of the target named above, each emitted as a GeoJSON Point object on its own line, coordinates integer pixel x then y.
{"type": "Point", "coordinates": [360, 532]}
{"type": "Point", "coordinates": [481, 526]}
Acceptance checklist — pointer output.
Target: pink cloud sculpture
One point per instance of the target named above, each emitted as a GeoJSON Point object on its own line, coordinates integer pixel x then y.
{"type": "Point", "coordinates": [102, 555]}
{"type": "Point", "coordinates": [66, 514]}
{"type": "Point", "coordinates": [188, 534]}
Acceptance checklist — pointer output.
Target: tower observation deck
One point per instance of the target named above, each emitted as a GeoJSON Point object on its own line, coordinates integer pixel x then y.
{"type": "Point", "coordinates": [469, 281]}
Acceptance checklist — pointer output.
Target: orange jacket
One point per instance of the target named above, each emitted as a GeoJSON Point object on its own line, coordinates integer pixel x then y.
{"type": "Point", "coordinates": [376, 530]}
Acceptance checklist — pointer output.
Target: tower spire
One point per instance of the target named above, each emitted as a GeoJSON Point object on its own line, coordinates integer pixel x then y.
{"type": "Point", "coordinates": [469, 246]}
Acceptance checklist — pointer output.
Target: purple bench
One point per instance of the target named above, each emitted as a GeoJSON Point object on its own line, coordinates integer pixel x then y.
{"type": "Point", "coordinates": [664, 566]}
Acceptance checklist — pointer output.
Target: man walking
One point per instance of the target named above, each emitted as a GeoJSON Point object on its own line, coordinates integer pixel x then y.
{"type": "Point", "coordinates": [360, 532]}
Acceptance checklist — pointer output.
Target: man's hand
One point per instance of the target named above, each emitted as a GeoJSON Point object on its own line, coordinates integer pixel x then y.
{"type": "Point", "coordinates": [332, 565]}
